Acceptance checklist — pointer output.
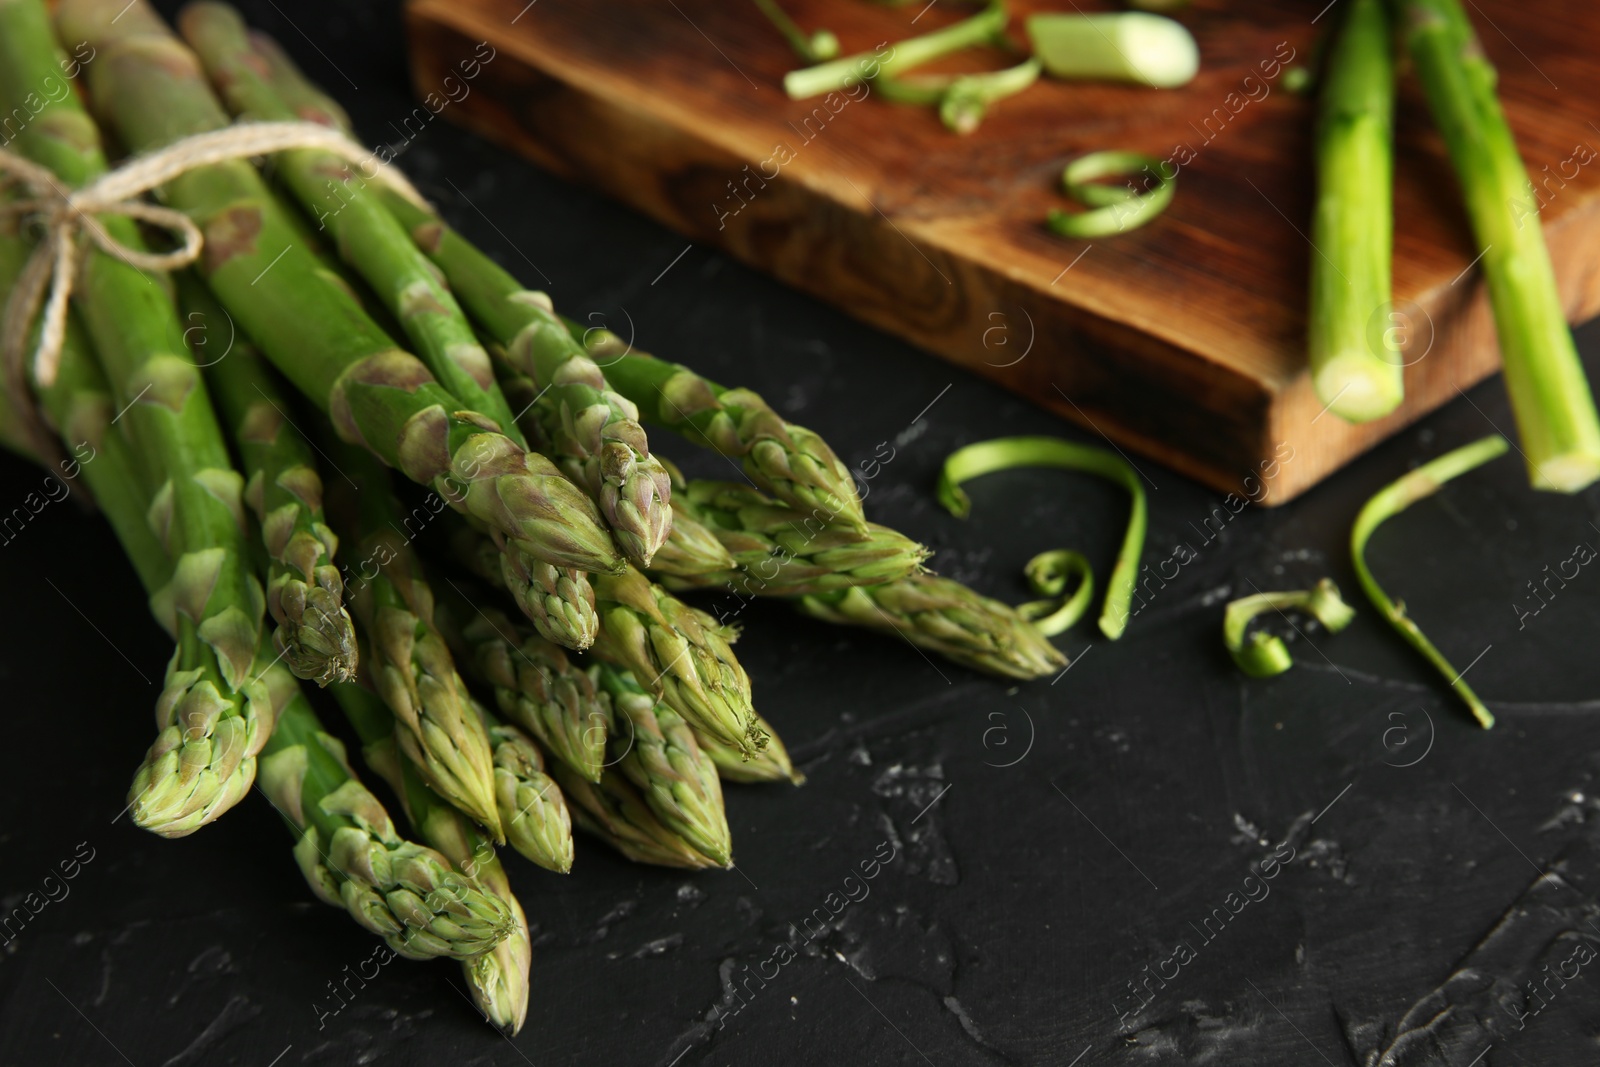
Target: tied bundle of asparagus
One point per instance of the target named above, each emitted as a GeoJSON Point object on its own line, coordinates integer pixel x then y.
{"type": "Point", "coordinates": [532, 671]}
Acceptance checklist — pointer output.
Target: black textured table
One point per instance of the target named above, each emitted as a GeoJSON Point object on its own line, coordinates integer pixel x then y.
{"type": "Point", "coordinates": [1148, 860]}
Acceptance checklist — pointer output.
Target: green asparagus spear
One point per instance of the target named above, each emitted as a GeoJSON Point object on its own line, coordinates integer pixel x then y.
{"type": "Point", "coordinates": [659, 755]}
{"type": "Point", "coordinates": [781, 551]}
{"type": "Point", "coordinates": [305, 594]}
{"type": "Point", "coordinates": [771, 764]}
{"type": "Point", "coordinates": [306, 321]}
{"type": "Point", "coordinates": [532, 807]}
{"type": "Point", "coordinates": [210, 708]}
{"type": "Point", "coordinates": [1355, 369]}
{"type": "Point", "coordinates": [498, 978]}
{"type": "Point", "coordinates": [612, 810]}
{"type": "Point", "coordinates": [946, 617]}
{"type": "Point", "coordinates": [535, 685]}
{"type": "Point", "coordinates": [366, 234]}
{"type": "Point", "coordinates": [1550, 396]}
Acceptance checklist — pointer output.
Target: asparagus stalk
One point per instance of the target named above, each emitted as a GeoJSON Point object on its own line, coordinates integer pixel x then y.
{"type": "Point", "coordinates": [351, 854]}
{"type": "Point", "coordinates": [592, 430]}
{"type": "Point", "coordinates": [946, 617]}
{"type": "Point", "coordinates": [1550, 396]}
{"type": "Point", "coordinates": [532, 807]}
{"type": "Point", "coordinates": [1355, 370]}
{"type": "Point", "coordinates": [789, 461]}
{"type": "Point", "coordinates": [305, 319]}
{"type": "Point", "coordinates": [535, 685]}
{"type": "Point", "coordinates": [771, 764]}
{"type": "Point", "coordinates": [660, 756]}
{"type": "Point", "coordinates": [212, 707]}
{"type": "Point", "coordinates": [408, 661]}
{"type": "Point", "coordinates": [846, 71]}
{"type": "Point", "coordinates": [612, 810]}
{"type": "Point", "coordinates": [781, 551]}
{"type": "Point", "coordinates": [1390, 501]}
{"type": "Point", "coordinates": [498, 978]}
{"type": "Point", "coordinates": [366, 234]}
{"type": "Point", "coordinates": [678, 653]}
{"type": "Point", "coordinates": [1116, 46]}
{"type": "Point", "coordinates": [305, 595]}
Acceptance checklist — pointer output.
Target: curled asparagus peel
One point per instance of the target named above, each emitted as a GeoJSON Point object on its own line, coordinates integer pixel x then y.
{"type": "Point", "coordinates": [946, 617]}
{"type": "Point", "coordinates": [779, 550]}
{"type": "Point", "coordinates": [1005, 453]}
{"type": "Point", "coordinates": [308, 323]}
{"type": "Point", "coordinates": [497, 979]}
{"type": "Point", "coordinates": [846, 71]}
{"type": "Point", "coordinates": [305, 594]}
{"type": "Point", "coordinates": [1355, 365]}
{"type": "Point", "coordinates": [535, 684]}
{"type": "Point", "coordinates": [1261, 654]}
{"type": "Point", "coordinates": [962, 99]}
{"type": "Point", "coordinates": [352, 856]}
{"type": "Point", "coordinates": [1390, 501]}
{"type": "Point", "coordinates": [1550, 395]}
{"type": "Point", "coordinates": [211, 708]}
{"type": "Point", "coordinates": [1050, 574]}
{"type": "Point", "coordinates": [367, 235]}
{"type": "Point", "coordinates": [1112, 209]}
{"type": "Point", "coordinates": [666, 764]}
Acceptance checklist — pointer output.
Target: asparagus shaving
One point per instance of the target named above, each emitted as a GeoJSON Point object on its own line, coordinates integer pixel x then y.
{"type": "Point", "coordinates": [1550, 396]}
{"type": "Point", "coordinates": [1261, 654]}
{"type": "Point", "coordinates": [1355, 369]}
{"type": "Point", "coordinates": [962, 99]}
{"type": "Point", "coordinates": [1390, 501]}
{"type": "Point", "coordinates": [1125, 46]}
{"type": "Point", "coordinates": [912, 52]}
{"type": "Point", "coordinates": [818, 46]}
{"type": "Point", "coordinates": [1004, 453]}
{"type": "Point", "coordinates": [1050, 574]}
{"type": "Point", "coordinates": [1112, 209]}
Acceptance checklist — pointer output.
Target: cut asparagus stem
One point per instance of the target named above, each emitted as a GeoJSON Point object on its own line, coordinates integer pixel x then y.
{"type": "Point", "coordinates": [204, 757]}
{"type": "Point", "coordinates": [368, 237]}
{"type": "Point", "coordinates": [407, 659]}
{"type": "Point", "coordinates": [789, 461]}
{"type": "Point", "coordinates": [591, 429]}
{"type": "Point", "coordinates": [1355, 365]}
{"type": "Point", "coordinates": [1390, 501]}
{"type": "Point", "coordinates": [305, 594]}
{"type": "Point", "coordinates": [1004, 453]}
{"type": "Point", "coordinates": [1117, 46]}
{"type": "Point", "coordinates": [306, 321]}
{"type": "Point", "coordinates": [535, 685]}
{"type": "Point", "coordinates": [1550, 396]}
{"type": "Point", "coordinates": [658, 753]}
{"type": "Point", "coordinates": [1261, 654]}
{"type": "Point", "coordinates": [946, 617]}
{"type": "Point", "coordinates": [498, 978]}
{"type": "Point", "coordinates": [912, 52]}
{"type": "Point", "coordinates": [781, 551]}
{"type": "Point", "coordinates": [818, 46]}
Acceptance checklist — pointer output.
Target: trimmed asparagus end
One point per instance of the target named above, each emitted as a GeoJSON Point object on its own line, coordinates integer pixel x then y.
{"type": "Point", "coordinates": [1567, 472]}
{"type": "Point", "coordinates": [1127, 46]}
{"type": "Point", "coordinates": [1359, 387]}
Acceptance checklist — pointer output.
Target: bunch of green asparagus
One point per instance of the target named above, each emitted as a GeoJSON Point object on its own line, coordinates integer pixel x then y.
{"type": "Point", "coordinates": [253, 493]}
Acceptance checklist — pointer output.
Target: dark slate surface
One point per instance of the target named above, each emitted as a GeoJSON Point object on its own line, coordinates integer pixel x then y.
{"type": "Point", "coordinates": [1052, 843]}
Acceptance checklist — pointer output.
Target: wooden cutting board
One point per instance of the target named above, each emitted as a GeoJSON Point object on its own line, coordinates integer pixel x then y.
{"type": "Point", "coordinates": [1183, 340]}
